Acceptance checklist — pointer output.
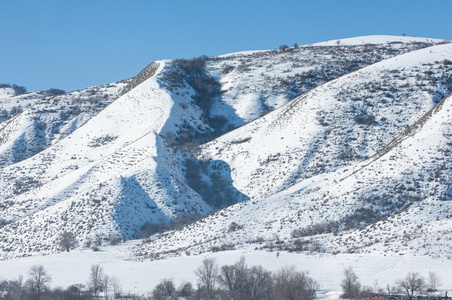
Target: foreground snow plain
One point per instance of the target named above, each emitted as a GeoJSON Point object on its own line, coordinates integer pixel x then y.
{"type": "Point", "coordinates": [140, 277]}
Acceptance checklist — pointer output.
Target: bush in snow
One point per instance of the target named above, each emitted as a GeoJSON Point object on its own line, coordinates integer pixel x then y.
{"type": "Point", "coordinates": [19, 90]}
{"type": "Point", "coordinates": [67, 241]}
{"type": "Point", "coordinates": [54, 92]}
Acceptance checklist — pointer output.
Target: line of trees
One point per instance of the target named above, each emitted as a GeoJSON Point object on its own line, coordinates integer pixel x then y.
{"type": "Point", "coordinates": [37, 287]}
{"type": "Point", "coordinates": [19, 90]}
{"type": "Point", "coordinates": [240, 282]}
{"type": "Point", "coordinates": [237, 282]}
{"type": "Point", "coordinates": [33, 288]}
{"type": "Point", "coordinates": [412, 285]}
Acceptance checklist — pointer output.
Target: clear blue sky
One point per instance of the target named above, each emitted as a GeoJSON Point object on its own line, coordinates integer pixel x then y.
{"type": "Point", "coordinates": [72, 44]}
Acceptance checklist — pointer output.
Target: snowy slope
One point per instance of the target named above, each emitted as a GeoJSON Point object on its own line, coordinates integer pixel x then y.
{"type": "Point", "coordinates": [6, 93]}
{"type": "Point", "coordinates": [343, 121]}
{"type": "Point", "coordinates": [255, 83]}
{"type": "Point", "coordinates": [93, 181]}
{"type": "Point", "coordinates": [12, 104]}
{"type": "Point", "coordinates": [409, 186]}
{"type": "Point", "coordinates": [398, 201]}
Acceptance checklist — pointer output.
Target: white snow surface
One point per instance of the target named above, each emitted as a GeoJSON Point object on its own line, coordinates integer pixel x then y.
{"type": "Point", "coordinates": [140, 277]}
{"type": "Point", "coordinates": [6, 93]}
{"type": "Point", "coordinates": [254, 83]}
{"type": "Point", "coordinates": [376, 39]}
{"type": "Point", "coordinates": [47, 119]}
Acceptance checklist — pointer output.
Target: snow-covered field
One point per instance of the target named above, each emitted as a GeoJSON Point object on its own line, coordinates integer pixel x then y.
{"type": "Point", "coordinates": [140, 277]}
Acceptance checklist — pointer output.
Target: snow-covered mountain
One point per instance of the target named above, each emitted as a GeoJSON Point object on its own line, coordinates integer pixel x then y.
{"type": "Point", "coordinates": [104, 161]}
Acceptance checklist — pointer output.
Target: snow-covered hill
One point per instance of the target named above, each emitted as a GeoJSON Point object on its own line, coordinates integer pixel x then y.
{"type": "Point", "coordinates": [94, 180]}
{"type": "Point", "coordinates": [256, 83]}
{"type": "Point", "coordinates": [336, 124]}
{"type": "Point", "coordinates": [104, 161]}
{"type": "Point", "coordinates": [316, 179]}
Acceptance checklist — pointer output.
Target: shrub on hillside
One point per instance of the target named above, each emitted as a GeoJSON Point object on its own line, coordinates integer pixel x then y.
{"type": "Point", "coordinates": [54, 92]}
{"type": "Point", "coordinates": [19, 90]}
{"type": "Point", "coordinates": [67, 241]}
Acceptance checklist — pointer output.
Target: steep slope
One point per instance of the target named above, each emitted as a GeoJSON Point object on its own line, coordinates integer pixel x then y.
{"type": "Point", "coordinates": [93, 181]}
{"type": "Point", "coordinates": [234, 89]}
{"type": "Point", "coordinates": [398, 201]}
{"type": "Point", "coordinates": [255, 83]}
{"type": "Point", "coordinates": [334, 125]}
{"type": "Point", "coordinates": [417, 169]}
{"type": "Point", "coordinates": [394, 200]}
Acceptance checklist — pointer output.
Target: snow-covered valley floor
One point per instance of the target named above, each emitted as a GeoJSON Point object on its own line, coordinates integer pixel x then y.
{"type": "Point", "coordinates": [140, 277]}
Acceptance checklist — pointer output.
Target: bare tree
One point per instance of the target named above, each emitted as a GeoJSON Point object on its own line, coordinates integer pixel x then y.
{"type": "Point", "coordinates": [106, 285]}
{"type": "Point", "coordinates": [116, 287]}
{"type": "Point", "coordinates": [38, 281]}
{"type": "Point", "coordinates": [390, 290]}
{"type": "Point", "coordinates": [165, 290]}
{"type": "Point", "coordinates": [186, 291]}
{"type": "Point", "coordinates": [234, 278]}
{"type": "Point", "coordinates": [207, 275]}
{"type": "Point", "coordinates": [260, 282]}
{"type": "Point", "coordinates": [293, 285]}
{"type": "Point", "coordinates": [77, 289]}
{"type": "Point", "coordinates": [433, 282]}
{"type": "Point", "coordinates": [67, 241]}
{"type": "Point", "coordinates": [3, 288]}
{"type": "Point", "coordinates": [16, 289]}
{"type": "Point", "coordinates": [19, 90]}
{"type": "Point", "coordinates": [412, 284]}
{"type": "Point", "coordinates": [351, 287]}
{"type": "Point", "coordinates": [96, 279]}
